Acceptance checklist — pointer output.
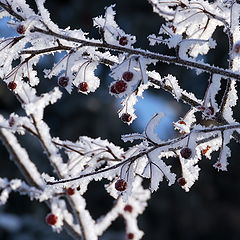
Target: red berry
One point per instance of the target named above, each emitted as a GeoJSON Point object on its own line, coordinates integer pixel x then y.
{"type": "Point", "coordinates": [186, 152]}
{"type": "Point", "coordinates": [128, 208]}
{"type": "Point", "coordinates": [51, 219]}
{"type": "Point", "coordinates": [83, 87]}
{"type": "Point", "coordinates": [120, 86]}
{"type": "Point", "coordinates": [70, 191]}
{"type": "Point", "coordinates": [126, 117]}
{"type": "Point", "coordinates": [12, 85]}
{"type": "Point", "coordinates": [63, 81]}
{"type": "Point", "coordinates": [112, 89]}
{"type": "Point", "coordinates": [123, 41]}
{"type": "Point", "coordinates": [182, 181]}
{"type": "Point", "coordinates": [182, 122]}
{"type": "Point", "coordinates": [130, 236]}
{"type": "Point", "coordinates": [127, 76]}
{"type": "Point", "coordinates": [121, 185]}
{"type": "Point", "coordinates": [21, 29]}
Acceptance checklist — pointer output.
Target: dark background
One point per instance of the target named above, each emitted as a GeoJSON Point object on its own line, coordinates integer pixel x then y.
{"type": "Point", "coordinates": [211, 210]}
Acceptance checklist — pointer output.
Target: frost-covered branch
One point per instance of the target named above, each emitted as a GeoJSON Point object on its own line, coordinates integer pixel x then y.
{"type": "Point", "coordinates": [207, 127]}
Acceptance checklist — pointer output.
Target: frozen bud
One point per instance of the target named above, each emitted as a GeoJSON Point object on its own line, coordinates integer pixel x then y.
{"type": "Point", "coordinates": [12, 85]}
{"type": "Point", "coordinates": [121, 185]}
{"type": "Point", "coordinates": [123, 41]}
{"type": "Point", "coordinates": [126, 117]}
{"type": "Point", "coordinates": [128, 208]}
{"type": "Point", "coordinates": [51, 219]}
{"type": "Point", "coordinates": [63, 81]}
{"type": "Point", "coordinates": [218, 165]}
{"type": "Point", "coordinates": [83, 87]}
{"type": "Point", "coordinates": [186, 152]}
{"type": "Point", "coordinates": [182, 181]}
{"type": "Point", "coordinates": [21, 29]}
{"type": "Point", "coordinates": [127, 76]}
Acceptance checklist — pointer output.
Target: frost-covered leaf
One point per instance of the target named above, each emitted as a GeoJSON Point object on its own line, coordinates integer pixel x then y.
{"type": "Point", "coordinates": [158, 169]}
{"type": "Point", "coordinates": [111, 31]}
{"type": "Point", "coordinates": [225, 151]}
{"type": "Point", "coordinates": [150, 130]}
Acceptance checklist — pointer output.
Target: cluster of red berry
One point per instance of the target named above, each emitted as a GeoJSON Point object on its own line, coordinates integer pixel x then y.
{"type": "Point", "coordinates": [64, 80]}
{"type": "Point", "coordinates": [120, 87]}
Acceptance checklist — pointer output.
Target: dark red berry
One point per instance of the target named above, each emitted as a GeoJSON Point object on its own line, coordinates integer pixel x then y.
{"type": "Point", "coordinates": [12, 85]}
{"type": "Point", "coordinates": [21, 29]}
{"type": "Point", "coordinates": [128, 208]}
{"type": "Point", "coordinates": [127, 76]}
{"type": "Point", "coordinates": [83, 87]}
{"type": "Point", "coordinates": [182, 181]}
{"type": "Point", "coordinates": [186, 152]}
{"type": "Point", "coordinates": [70, 191]}
{"type": "Point", "coordinates": [11, 121]}
{"type": "Point", "coordinates": [182, 122]}
{"type": "Point", "coordinates": [120, 86]}
{"type": "Point", "coordinates": [112, 89]}
{"type": "Point", "coordinates": [126, 117]}
{"type": "Point", "coordinates": [63, 81]}
{"type": "Point", "coordinates": [130, 236]}
{"type": "Point", "coordinates": [121, 185]}
{"type": "Point", "coordinates": [123, 41]}
{"type": "Point", "coordinates": [51, 219]}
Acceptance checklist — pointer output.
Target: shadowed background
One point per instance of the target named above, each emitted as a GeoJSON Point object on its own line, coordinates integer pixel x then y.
{"type": "Point", "coordinates": [211, 210]}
